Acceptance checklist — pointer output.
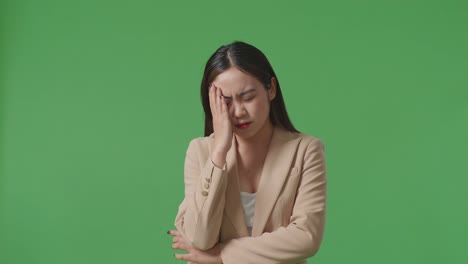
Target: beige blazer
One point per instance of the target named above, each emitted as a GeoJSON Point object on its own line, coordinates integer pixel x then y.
{"type": "Point", "coordinates": [289, 216]}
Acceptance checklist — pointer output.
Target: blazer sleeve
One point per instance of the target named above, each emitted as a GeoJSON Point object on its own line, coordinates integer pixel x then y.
{"type": "Point", "coordinates": [302, 237]}
{"type": "Point", "coordinates": [200, 213]}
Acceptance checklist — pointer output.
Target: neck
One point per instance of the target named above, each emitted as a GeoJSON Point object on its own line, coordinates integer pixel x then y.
{"type": "Point", "coordinates": [257, 142]}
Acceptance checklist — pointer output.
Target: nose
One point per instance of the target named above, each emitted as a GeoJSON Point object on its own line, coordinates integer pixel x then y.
{"type": "Point", "coordinates": [238, 110]}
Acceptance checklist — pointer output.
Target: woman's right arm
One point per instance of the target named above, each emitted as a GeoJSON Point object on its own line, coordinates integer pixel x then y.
{"type": "Point", "coordinates": [201, 212]}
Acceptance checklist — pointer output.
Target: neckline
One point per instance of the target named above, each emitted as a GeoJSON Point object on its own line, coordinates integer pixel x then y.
{"type": "Point", "coordinates": [248, 194]}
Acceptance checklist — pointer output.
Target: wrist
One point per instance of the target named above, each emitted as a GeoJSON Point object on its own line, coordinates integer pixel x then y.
{"type": "Point", "coordinates": [218, 159]}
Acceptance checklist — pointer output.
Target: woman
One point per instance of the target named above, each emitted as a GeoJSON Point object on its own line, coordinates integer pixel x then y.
{"type": "Point", "coordinates": [255, 188]}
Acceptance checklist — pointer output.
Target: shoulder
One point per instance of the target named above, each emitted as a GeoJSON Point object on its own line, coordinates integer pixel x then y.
{"type": "Point", "coordinates": [303, 139]}
{"type": "Point", "coordinates": [301, 144]}
{"type": "Point", "coordinates": [200, 144]}
{"type": "Point", "coordinates": [311, 141]}
{"type": "Point", "coordinates": [308, 144]}
{"type": "Point", "coordinates": [312, 149]}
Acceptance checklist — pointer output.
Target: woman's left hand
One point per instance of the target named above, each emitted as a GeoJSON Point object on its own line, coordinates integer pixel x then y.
{"type": "Point", "coordinates": [210, 256]}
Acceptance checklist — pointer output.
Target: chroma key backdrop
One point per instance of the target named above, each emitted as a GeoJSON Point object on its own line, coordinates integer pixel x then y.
{"type": "Point", "coordinates": [99, 100]}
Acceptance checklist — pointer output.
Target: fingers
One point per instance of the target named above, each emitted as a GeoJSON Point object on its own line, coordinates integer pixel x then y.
{"type": "Point", "coordinates": [193, 255]}
{"type": "Point", "coordinates": [211, 95]}
{"type": "Point", "coordinates": [174, 233]}
{"type": "Point", "coordinates": [185, 257]}
{"type": "Point", "coordinates": [178, 242]}
{"type": "Point", "coordinates": [185, 247]}
{"type": "Point", "coordinates": [217, 102]}
{"type": "Point", "coordinates": [224, 107]}
{"type": "Point", "coordinates": [181, 246]}
{"type": "Point", "coordinates": [214, 100]}
{"type": "Point", "coordinates": [181, 256]}
{"type": "Point", "coordinates": [219, 98]}
{"type": "Point", "coordinates": [179, 239]}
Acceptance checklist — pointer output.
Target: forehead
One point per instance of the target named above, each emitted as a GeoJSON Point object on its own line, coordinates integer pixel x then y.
{"type": "Point", "coordinates": [233, 81]}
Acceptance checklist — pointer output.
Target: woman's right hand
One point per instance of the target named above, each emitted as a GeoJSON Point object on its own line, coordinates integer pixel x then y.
{"type": "Point", "coordinates": [222, 126]}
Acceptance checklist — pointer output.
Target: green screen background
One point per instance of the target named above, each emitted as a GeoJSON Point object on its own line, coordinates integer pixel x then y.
{"type": "Point", "coordinates": [99, 100]}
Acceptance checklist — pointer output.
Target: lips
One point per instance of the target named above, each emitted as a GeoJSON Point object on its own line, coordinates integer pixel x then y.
{"type": "Point", "coordinates": [243, 125]}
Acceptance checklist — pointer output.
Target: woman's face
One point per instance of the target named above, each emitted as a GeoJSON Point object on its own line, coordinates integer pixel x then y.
{"type": "Point", "coordinates": [247, 99]}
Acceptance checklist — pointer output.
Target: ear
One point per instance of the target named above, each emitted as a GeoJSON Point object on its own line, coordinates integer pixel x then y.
{"type": "Point", "coordinates": [272, 90]}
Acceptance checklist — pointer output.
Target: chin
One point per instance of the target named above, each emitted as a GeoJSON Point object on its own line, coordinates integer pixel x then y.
{"type": "Point", "coordinates": [245, 134]}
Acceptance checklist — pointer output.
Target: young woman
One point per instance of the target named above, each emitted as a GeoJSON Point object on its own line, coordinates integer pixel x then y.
{"type": "Point", "coordinates": [255, 188]}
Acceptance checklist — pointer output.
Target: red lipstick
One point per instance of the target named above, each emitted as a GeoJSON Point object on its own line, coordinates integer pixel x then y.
{"type": "Point", "coordinates": [243, 125]}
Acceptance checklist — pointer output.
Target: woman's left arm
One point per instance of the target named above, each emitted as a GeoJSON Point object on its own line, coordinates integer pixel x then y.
{"type": "Point", "coordinates": [302, 237]}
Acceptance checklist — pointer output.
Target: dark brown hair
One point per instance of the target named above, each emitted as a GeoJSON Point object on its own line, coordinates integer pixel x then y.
{"type": "Point", "coordinates": [250, 60]}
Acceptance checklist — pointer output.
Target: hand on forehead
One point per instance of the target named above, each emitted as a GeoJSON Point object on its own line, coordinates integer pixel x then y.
{"type": "Point", "coordinates": [234, 82]}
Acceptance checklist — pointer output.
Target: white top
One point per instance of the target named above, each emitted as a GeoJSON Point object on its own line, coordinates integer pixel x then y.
{"type": "Point", "coordinates": [248, 202]}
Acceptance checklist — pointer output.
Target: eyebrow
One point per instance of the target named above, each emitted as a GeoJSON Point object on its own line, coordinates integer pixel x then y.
{"type": "Point", "coordinates": [241, 93]}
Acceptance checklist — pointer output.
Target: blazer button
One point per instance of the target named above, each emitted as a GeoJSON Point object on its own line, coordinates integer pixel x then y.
{"type": "Point", "coordinates": [204, 193]}
{"type": "Point", "coordinates": [207, 185]}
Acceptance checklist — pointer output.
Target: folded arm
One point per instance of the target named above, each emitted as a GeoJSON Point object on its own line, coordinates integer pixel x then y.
{"type": "Point", "coordinates": [302, 237]}
{"type": "Point", "coordinates": [200, 213]}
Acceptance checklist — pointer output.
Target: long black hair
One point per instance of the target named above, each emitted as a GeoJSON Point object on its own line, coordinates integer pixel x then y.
{"type": "Point", "coordinates": [251, 60]}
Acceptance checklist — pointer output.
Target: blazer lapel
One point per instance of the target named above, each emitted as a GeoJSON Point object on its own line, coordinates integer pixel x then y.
{"type": "Point", "coordinates": [235, 211]}
{"type": "Point", "coordinates": [275, 171]}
